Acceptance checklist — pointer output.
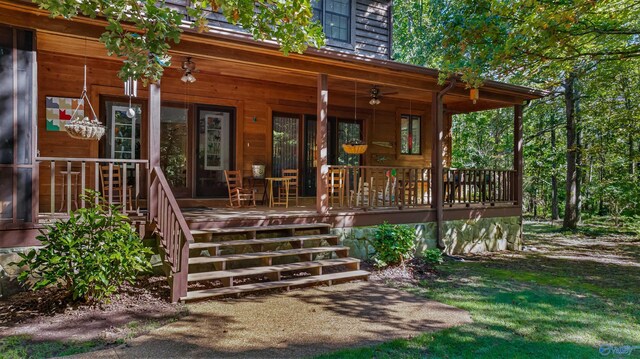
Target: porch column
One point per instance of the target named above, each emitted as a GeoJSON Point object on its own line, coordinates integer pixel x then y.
{"type": "Point", "coordinates": [518, 162]}
{"type": "Point", "coordinates": [437, 115]}
{"type": "Point", "coordinates": [322, 197]}
{"type": "Point", "coordinates": [437, 195]}
{"type": "Point", "coordinates": [154, 143]}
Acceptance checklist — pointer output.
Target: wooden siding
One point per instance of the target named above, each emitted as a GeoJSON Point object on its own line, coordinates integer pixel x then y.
{"type": "Point", "coordinates": [371, 29]}
{"type": "Point", "coordinates": [255, 101]}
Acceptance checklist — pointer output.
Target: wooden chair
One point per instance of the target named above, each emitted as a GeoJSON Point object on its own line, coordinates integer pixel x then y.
{"type": "Point", "coordinates": [336, 180]}
{"type": "Point", "coordinates": [363, 196]}
{"type": "Point", "coordinates": [115, 185]}
{"type": "Point", "coordinates": [293, 184]}
{"type": "Point", "coordinates": [237, 194]}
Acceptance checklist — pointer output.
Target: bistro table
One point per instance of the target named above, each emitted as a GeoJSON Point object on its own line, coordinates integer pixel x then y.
{"type": "Point", "coordinates": [255, 183]}
{"type": "Point", "coordinates": [285, 182]}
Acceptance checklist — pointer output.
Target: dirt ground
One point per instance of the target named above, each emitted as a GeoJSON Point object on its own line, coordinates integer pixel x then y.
{"type": "Point", "coordinates": [49, 315]}
{"type": "Point", "coordinates": [294, 324]}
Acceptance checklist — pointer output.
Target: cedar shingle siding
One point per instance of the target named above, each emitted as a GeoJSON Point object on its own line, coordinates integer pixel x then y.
{"type": "Point", "coordinates": [371, 31]}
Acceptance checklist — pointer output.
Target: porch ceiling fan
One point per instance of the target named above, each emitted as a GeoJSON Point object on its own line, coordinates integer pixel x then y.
{"type": "Point", "coordinates": [376, 95]}
{"type": "Point", "coordinates": [189, 67]}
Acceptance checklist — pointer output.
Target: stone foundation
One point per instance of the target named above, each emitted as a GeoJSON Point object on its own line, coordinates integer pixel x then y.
{"type": "Point", "coordinates": [459, 237]}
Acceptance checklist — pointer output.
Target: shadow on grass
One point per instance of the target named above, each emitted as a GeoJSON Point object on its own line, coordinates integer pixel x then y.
{"type": "Point", "coordinates": [564, 300]}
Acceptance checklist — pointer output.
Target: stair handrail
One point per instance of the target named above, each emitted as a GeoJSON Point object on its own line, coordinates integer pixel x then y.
{"type": "Point", "coordinates": [173, 231]}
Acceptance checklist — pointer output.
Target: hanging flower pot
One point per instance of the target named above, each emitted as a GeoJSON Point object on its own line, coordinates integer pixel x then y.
{"type": "Point", "coordinates": [355, 147]}
{"type": "Point", "coordinates": [85, 129]}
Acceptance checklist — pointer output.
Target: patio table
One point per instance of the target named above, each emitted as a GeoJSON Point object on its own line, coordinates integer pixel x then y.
{"type": "Point", "coordinates": [285, 182]}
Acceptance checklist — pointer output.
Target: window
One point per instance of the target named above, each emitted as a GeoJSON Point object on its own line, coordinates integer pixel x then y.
{"type": "Point", "coordinates": [335, 17]}
{"type": "Point", "coordinates": [410, 135]}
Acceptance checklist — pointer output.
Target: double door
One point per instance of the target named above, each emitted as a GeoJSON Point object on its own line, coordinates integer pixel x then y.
{"type": "Point", "coordinates": [196, 143]}
{"type": "Point", "coordinates": [294, 146]}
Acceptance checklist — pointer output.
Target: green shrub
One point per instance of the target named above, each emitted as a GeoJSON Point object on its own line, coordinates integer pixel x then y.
{"type": "Point", "coordinates": [393, 244]}
{"type": "Point", "coordinates": [91, 254]}
{"type": "Point", "coordinates": [433, 256]}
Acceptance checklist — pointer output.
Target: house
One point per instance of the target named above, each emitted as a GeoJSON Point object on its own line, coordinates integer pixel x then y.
{"type": "Point", "coordinates": [165, 151]}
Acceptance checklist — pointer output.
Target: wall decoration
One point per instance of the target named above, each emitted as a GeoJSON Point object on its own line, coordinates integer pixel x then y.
{"type": "Point", "coordinates": [59, 111]}
{"type": "Point", "coordinates": [215, 141]}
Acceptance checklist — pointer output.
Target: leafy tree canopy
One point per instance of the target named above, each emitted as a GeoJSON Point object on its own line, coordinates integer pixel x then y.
{"type": "Point", "coordinates": [140, 31]}
{"type": "Point", "coordinates": [491, 38]}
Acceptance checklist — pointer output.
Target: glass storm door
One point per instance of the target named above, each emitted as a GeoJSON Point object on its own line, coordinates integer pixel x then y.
{"type": "Point", "coordinates": [215, 150]}
{"type": "Point", "coordinates": [174, 148]}
{"type": "Point", "coordinates": [286, 129]}
{"type": "Point", "coordinates": [310, 149]}
{"type": "Point", "coordinates": [123, 132]}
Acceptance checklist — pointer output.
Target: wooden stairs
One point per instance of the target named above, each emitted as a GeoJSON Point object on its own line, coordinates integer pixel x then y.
{"type": "Point", "coordinates": [240, 260]}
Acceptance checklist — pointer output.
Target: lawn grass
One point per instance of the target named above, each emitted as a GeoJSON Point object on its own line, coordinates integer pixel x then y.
{"type": "Point", "coordinates": [576, 293]}
{"type": "Point", "coordinates": [21, 346]}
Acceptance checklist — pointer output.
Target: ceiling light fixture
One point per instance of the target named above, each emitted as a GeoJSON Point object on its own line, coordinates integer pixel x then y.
{"type": "Point", "coordinates": [375, 92]}
{"type": "Point", "coordinates": [189, 67]}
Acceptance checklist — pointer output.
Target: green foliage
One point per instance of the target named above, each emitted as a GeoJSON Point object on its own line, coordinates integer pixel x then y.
{"type": "Point", "coordinates": [91, 254]}
{"type": "Point", "coordinates": [539, 44]}
{"type": "Point", "coordinates": [22, 346]}
{"type": "Point", "coordinates": [145, 44]}
{"type": "Point", "coordinates": [433, 256]}
{"type": "Point", "coordinates": [393, 244]}
{"type": "Point", "coordinates": [483, 140]}
{"type": "Point", "coordinates": [491, 38]}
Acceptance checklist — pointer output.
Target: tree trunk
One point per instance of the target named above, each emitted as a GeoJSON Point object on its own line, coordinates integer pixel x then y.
{"type": "Point", "coordinates": [555, 215]}
{"type": "Point", "coordinates": [632, 167]}
{"type": "Point", "coordinates": [572, 202]}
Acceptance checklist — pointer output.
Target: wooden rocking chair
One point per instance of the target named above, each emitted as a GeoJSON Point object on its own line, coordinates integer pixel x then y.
{"type": "Point", "coordinates": [115, 186]}
{"type": "Point", "coordinates": [237, 194]}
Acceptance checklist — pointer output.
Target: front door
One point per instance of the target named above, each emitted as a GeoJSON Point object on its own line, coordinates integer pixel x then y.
{"type": "Point", "coordinates": [215, 150]}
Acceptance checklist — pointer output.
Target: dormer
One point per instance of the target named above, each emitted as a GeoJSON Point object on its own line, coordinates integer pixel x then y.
{"type": "Point", "coordinates": [356, 27]}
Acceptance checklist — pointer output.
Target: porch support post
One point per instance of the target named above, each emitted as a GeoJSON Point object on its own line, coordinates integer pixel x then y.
{"type": "Point", "coordinates": [322, 197]}
{"type": "Point", "coordinates": [437, 200]}
{"type": "Point", "coordinates": [518, 162]}
{"type": "Point", "coordinates": [437, 115]}
{"type": "Point", "coordinates": [154, 144]}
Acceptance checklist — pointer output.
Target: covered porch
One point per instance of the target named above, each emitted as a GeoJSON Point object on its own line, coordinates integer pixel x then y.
{"type": "Point", "coordinates": [273, 111]}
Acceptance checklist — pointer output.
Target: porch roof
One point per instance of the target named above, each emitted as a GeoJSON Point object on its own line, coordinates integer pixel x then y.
{"type": "Point", "coordinates": [528, 93]}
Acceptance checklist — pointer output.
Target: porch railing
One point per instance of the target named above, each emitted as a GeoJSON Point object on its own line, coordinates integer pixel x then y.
{"type": "Point", "coordinates": [478, 186]}
{"type": "Point", "coordinates": [120, 181]}
{"type": "Point", "coordinates": [173, 231]}
{"type": "Point", "coordinates": [366, 187]}
{"type": "Point", "coordinates": [379, 187]}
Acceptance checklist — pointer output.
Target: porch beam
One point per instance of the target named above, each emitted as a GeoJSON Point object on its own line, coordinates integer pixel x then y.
{"type": "Point", "coordinates": [153, 140]}
{"type": "Point", "coordinates": [322, 196]}
{"type": "Point", "coordinates": [518, 162]}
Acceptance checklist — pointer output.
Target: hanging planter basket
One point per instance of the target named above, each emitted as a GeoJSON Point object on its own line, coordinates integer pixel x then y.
{"type": "Point", "coordinates": [85, 129]}
{"type": "Point", "coordinates": [354, 148]}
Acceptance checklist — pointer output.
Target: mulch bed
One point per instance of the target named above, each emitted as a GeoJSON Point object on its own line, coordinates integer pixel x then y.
{"type": "Point", "coordinates": [412, 272]}
{"type": "Point", "coordinates": [51, 314]}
